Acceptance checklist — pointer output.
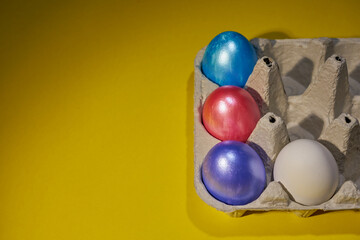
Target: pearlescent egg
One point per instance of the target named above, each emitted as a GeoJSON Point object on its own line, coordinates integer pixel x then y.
{"type": "Point", "coordinates": [233, 173]}
{"type": "Point", "coordinates": [308, 171]}
{"type": "Point", "coordinates": [230, 113]}
{"type": "Point", "coordinates": [229, 59]}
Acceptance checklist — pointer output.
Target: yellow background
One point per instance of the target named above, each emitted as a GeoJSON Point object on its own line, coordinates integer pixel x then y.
{"type": "Point", "coordinates": [96, 117]}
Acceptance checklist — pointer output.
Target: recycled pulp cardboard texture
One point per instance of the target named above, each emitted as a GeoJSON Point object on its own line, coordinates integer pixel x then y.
{"type": "Point", "coordinates": [311, 88]}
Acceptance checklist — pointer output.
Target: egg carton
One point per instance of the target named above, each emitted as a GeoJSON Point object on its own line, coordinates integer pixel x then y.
{"type": "Point", "coordinates": [305, 88]}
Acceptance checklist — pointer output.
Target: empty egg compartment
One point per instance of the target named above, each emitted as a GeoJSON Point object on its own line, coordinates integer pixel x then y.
{"type": "Point", "coordinates": [305, 88]}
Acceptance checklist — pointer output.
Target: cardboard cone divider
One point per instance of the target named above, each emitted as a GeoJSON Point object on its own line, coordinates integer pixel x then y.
{"type": "Point", "coordinates": [305, 88]}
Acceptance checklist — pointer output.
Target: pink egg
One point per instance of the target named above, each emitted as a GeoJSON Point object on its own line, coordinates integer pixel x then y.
{"type": "Point", "coordinates": [230, 113]}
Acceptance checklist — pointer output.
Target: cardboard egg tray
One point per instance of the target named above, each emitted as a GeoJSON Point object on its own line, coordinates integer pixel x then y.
{"type": "Point", "coordinates": [305, 88]}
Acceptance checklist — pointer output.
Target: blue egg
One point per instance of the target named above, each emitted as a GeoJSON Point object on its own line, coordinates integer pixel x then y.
{"type": "Point", "coordinates": [233, 173]}
{"type": "Point", "coordinates": [229, 59]}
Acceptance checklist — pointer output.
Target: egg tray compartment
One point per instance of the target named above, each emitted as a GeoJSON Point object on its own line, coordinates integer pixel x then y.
{"type": "Point", "coordinates": [305, 88]}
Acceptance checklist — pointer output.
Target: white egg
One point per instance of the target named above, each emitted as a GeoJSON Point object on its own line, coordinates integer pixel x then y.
{"type": "Point", "coordinates": [308, 171]}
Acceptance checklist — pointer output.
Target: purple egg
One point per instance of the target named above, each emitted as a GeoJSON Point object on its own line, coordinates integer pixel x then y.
{"type": "Point", "coordinates": [233, 173]}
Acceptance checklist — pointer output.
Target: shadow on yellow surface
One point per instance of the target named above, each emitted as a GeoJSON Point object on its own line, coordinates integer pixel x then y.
{"type": "Point", "coordinates": [287, 35]}
{"type": "Point", "coordinates": [274, 35]}
{"type": "Point", "coordinates": [216, 223]}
